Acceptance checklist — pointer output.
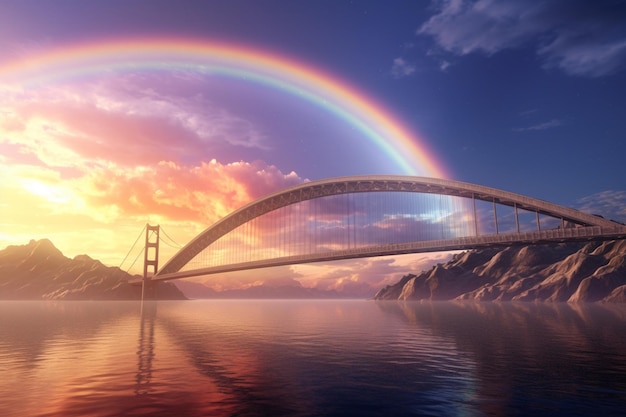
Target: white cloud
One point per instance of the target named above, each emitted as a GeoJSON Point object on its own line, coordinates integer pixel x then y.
{"type": "Point", "coordinates": [194, 113]}
{"type": "Point", "coordinates": [580, 37]}
{"type": "Point", "coordinates": [528, 112]}
{"type": "Point", "coordinates": [587, 58]}
{"type": "Point", "coordinates": [609, 204]}
{"type": "Point", "coordinates": [401, 68]}
{"type": "Point", "coordinates": [540, 126]}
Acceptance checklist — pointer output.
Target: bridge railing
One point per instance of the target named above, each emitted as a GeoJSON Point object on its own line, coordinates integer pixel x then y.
{"type": "Point", "coordinates": [461, 243]}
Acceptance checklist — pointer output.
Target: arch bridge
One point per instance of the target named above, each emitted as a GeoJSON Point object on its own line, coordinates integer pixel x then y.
{"type": "Point", "coordinates": [367, 216]}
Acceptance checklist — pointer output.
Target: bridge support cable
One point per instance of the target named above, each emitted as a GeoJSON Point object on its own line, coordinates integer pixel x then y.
{"type": "Point", "coordinates": [475, 215]}
{"type": "Point", "coordinates": [169, 241]}
{"type": "Point", "coordinates": [130, 250]}
{"type": "Point", "coordinates": [495, 216]}
{"type": "Point", "coordinates": [141, 252]}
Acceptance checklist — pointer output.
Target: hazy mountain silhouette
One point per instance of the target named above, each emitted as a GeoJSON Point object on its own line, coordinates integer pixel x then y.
{"type": "Point", "coordinates": [572, 272]}
{"type": "Point", "coordinates": [261, 291]}
{"type": "Point", "coordinates": [39, 270]}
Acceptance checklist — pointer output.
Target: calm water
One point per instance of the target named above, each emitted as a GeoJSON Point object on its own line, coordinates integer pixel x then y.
{"type": "Point", "coordinates": [311, 358]}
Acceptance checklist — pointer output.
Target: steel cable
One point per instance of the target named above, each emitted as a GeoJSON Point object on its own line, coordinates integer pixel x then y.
{"type": "Point", "coordinates": [131, 248]}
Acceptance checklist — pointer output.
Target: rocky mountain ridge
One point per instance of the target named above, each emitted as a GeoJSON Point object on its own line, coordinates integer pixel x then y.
{"type": "Point", "coordinates": [39, 270]}
{"type": "Point", "coordinates": [567, 272]}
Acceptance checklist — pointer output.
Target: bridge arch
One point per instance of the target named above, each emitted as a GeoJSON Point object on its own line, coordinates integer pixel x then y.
{"type": "Point", "coordinates": [572, 224]}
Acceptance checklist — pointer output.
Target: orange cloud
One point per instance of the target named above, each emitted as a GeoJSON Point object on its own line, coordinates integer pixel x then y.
{"type": "Point", "coordinates": [202, 193]}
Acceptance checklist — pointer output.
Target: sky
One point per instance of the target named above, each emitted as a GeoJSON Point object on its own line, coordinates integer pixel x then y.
{"type": "Point", "coordinates": [120, 113]}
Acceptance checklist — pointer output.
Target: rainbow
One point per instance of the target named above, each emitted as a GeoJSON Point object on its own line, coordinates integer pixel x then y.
{"type": "Point", "coordinates": [408, 151]}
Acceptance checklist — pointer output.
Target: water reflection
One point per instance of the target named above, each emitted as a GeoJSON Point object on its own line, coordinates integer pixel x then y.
{"type": "Point", "coordinates": [290, 358]}
{"type": "Point", "coordinates": [55, 355]}
{"type": "Point", "coordinates": [29, 327]}
{"type": "Point", "coordinates": [145, 351]}
{"type": "Point", "coordinates": [558, 358]}
{"type": "Point", "coordinates": [304, 358]}
{"type": "Point", "coordinates": [226, 359]}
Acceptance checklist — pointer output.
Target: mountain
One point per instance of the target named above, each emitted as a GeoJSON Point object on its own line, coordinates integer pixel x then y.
{"type": "Point", "coordinates": [39, 270]}
{"type": "Point", "coordinates": [571, 272]}
{"type": "Point", "coordinates": [262, 291]}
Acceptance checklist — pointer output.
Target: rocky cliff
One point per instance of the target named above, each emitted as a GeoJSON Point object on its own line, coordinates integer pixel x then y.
{"type": "Point", "coordinates": [573, 272]}
{"type": "Point", "coordinates": [39, 270]}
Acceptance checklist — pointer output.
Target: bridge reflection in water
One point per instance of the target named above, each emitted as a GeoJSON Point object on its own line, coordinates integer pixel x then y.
{"type": "Point", "coordinates": [145, 350]}
{"type": "Point", "coordinates": [366, 216]}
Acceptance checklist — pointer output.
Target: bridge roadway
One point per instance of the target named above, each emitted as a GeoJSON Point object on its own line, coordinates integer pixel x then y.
{"type": "Point", "coordinates": [587, 227]}
{"type": "Point", "coordinates": [461, 243]}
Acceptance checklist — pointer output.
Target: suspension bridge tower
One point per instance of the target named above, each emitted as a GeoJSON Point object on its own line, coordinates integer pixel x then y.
{"type": "Point", "coordinates": [150, 262]}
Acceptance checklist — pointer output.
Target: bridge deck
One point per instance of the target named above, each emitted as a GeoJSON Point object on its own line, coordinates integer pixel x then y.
{"type": "Point", "coordinates": [461, 243]}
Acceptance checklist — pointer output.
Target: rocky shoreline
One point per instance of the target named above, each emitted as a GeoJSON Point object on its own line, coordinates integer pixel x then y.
{"type": "Point", "coordinates": [567, 272]}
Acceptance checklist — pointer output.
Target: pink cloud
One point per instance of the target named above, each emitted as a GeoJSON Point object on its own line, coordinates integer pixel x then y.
{"type": "Point", "coordinates": [126, 140]}
{"type": "Point", "coordinates": [202, 193]}
{"type": "Point", "coordinates": [93, 134]}
{"type": "Point", "coordinates": [117, 121]}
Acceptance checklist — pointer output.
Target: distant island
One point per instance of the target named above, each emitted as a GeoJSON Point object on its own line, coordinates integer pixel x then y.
{"type": "Point", "coordinates": [567, 272]}
{"type": "Point", "coordinates": [39, 271]}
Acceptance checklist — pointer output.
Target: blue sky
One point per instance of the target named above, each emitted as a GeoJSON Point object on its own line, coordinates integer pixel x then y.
{"type": "Point", "coordinates": [525, 96]}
